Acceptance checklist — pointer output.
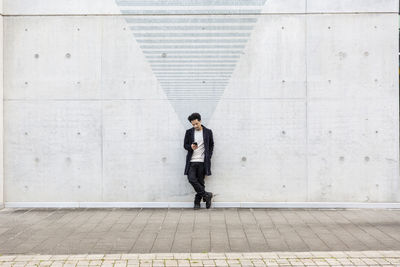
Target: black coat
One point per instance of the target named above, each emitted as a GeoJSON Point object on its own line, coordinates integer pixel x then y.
{"type": "Point", "coordinates": [208, 146]}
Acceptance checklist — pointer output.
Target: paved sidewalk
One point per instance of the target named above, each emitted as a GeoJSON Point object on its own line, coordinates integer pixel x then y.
{"type": "Point", "coordinates": [105, 231]}
{"type": "Point", "coordinates": [332, 258]}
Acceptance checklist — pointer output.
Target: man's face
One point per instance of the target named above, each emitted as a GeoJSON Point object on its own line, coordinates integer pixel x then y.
{"type": "Point", "coordinates": [196, 124]}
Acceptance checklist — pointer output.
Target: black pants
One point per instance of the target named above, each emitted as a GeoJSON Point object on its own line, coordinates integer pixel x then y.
{"type": "Point", "coordinates": [196, 179]}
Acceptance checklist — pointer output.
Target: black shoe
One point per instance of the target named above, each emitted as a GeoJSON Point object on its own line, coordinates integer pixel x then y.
{"type": "Point", "coordinates": [205, 196]}
{"type": "Point", "coordinates": [208, 197]}
{"type": "Point", "coordinates": [196, 206]}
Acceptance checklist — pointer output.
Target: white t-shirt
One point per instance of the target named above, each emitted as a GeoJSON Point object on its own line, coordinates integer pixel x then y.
{"type": "Point", "coordinates": [198, 154]}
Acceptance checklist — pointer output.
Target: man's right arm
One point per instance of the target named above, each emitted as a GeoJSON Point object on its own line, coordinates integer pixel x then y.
{"type": "Point", "coordinates": [186, 143]}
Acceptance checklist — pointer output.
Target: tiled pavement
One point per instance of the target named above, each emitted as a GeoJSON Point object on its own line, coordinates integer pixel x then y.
{"type": "Point", "coordinates": [61, 234]}
{"type": "Point", "coordinates": [332, 258]}
{"type": "Point", "coordinates": [80, 231]}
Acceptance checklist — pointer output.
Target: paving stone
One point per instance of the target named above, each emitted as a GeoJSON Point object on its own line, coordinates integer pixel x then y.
{"type": "Point", "coordinates": [169, 262]}
{"type": "Point", "coordinates": [232, 255]}
{"type": "Point", "coordinates": [213, 255]}
{"type": "Point", "coordinates": [199, 255]}
{"type": "Point", "coordinates": [220, 262]}
{"type": "Point", "coordinates": [183, 262]}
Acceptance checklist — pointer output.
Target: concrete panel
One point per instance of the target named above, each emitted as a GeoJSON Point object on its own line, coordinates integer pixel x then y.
{"type": "Point", "coordinates": [260, 150]}
{"type": "Point", "coordinates": [125, 72]}
{"type": "Point", "coordinates": [1, 114]}
{"type": "Point", "coordinates": [352, 56]}
{"type": "Point", "coordinates": [143, 152]}
{"type": "Point", "coordinates": [60, 7]}
{"type": "Point", "coordinates": [273, 64]}
{"type": "Point", "coordinates": [346, 6]}
{"type": "Point", "coordinates": [151, 7]}
{"type": "Point", "coordinates": [52, 57]}
{"type": "Point", "coordinates": [353, 151]}
{"type": "Point", "coordinates": [353, 107]}
{"type": "Point", "coordinates": [53, 151]}
{"type": "Point", "coordinates": [284, 6]}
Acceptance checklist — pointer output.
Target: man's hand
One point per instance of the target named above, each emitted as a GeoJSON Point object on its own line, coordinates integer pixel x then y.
{"type": "Point", "coordinates": [194, 146]}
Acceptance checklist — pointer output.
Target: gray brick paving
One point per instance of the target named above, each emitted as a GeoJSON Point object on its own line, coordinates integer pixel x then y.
{"type": "Point", "coordinates": [131, 230]}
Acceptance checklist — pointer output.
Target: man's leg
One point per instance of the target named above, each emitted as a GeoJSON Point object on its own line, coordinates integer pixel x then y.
{"type": "Point", "coordinates": [200, 178]}
{"type": "Point", "coordinates": [193, 180]}
{"type": "Point", "coordinates": [201, 174]}
{"type": "Point", "coordinates": [207, 195]}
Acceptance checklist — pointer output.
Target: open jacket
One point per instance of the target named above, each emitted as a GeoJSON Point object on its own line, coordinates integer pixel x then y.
{"type": "Point", "coordinates": [208, 146]}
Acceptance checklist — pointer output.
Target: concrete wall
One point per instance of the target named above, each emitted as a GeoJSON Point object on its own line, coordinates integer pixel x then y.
{"type": "Point", "coordinates": [302, 97]}
{"type": "Point", "coordinates": [1, 108]}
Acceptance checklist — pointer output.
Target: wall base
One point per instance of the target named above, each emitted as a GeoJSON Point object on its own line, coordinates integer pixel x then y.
{"type": "Point", "coordinates": [328, 205]}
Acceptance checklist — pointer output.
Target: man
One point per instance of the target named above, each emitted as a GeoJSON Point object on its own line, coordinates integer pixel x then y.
{"type": "Point", "coordinates": [199, 143]}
